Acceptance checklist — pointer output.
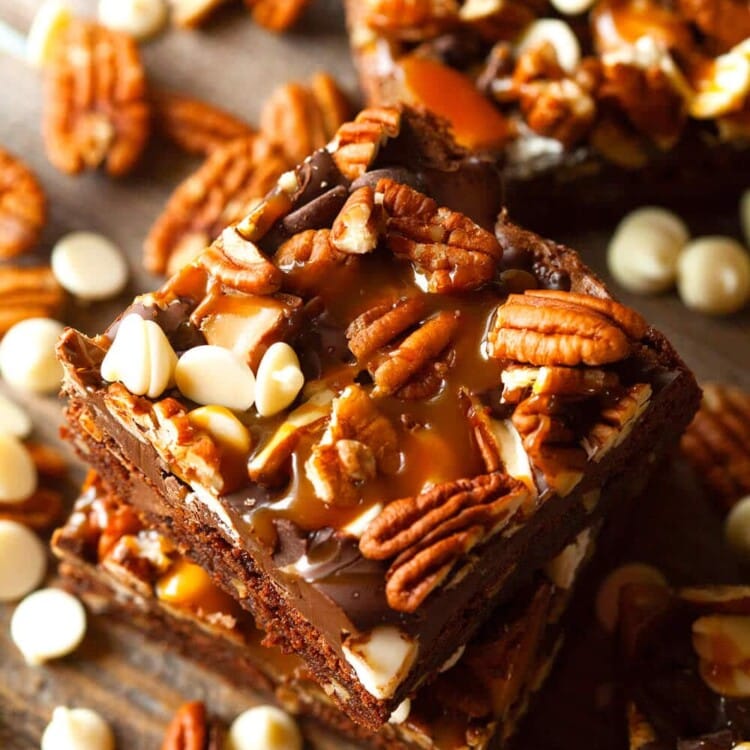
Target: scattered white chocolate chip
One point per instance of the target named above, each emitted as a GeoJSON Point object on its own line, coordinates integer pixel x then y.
{"type": "Point", "coordinates": [264, 728]}
{"type": "Point", "coordinates": [737, 529]}
{"type": "Point", "coordinates": [401, 714]}
{"type": "Point", "coordinates": [89, 266]}
{"type": "Point", "coordinates": [214, 375]}
{"type": "Point", "coordinates": [14, 420]}
{"type": "Point", "coordinates": [51, 19]}
{"type": "Point", "coordinates": [713, 275]}
{"type": "Point", "coordinates": [279, 379]}
{"type": "Point", "coordinates": [558, 34]}
{"type": "Point", "coordinates": [572, 7]}
{"type": "Point", "coordinates": [139, 18]}
{"type": "Point", "coordinates": [223, 426]}
{"type": "Point", "coordinates": [23, 561]}
{"type": "Point", "coordinates": [140, 357]}
{"type": "Point", "coordinates": [77, 729]}
{"type": "Point", "coordinates": [27, 355]}
{"type": "Point", "coordinates": [381, 658]}
{"type": "Point", "coordinates": [18, 476]}
{"type": "Point", "coordinates": [643, 252]}
{"type": "Point", "coordinates": [745, 216]}
{"type": "Point", "coordinates": [608, 597]}
{"type": "Point", "coordinates": [48, 624]}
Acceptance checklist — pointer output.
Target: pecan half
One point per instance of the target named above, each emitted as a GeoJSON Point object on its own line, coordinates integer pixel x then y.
{"type": "Point", "coordinates": [194, 125]}
{"type": "Point", "coordinates": [717, 443]}
{"type": "Point", "coordinates": [28, 292]}
{"type": "Point", "coordinates": [543, 327]}
{"type": "Point", "coordinates": [429, 533]}
{"type": "Point", "coordinates": [357, 142]}
{"type": "Point", "coordinates": [453, 252]}
{"type": "Point", "coordinates": [356, 229]}
{"type": "Point", "coordinates": [95, 109]}
{"type": "Point", "coordinates": [221, 192]}
{"type": "Point", "coordinates": [299, 119]}
{"type": "Point", "coordinates": [23, 207]}
{"type": "Point", "coordinates": [188, 729]}
{"type": "Point", "coordinates": [276, 15]}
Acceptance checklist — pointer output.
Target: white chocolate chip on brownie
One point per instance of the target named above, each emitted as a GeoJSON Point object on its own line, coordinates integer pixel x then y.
{"type": "Point", "coordinates": [279, 379]}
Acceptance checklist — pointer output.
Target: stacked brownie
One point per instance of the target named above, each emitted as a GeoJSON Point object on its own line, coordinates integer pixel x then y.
{"type": "Point", "coordinates": [445, 410]}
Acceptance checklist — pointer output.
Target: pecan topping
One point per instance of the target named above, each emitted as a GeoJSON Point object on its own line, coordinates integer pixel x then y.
{"type": "Point", "coordinates": [28, 292]}
{"type": "Point", "coordinates": [453, 252]}
{"type": "Point", "coordinates": [726, 22]}
{"type": "Point", "coordinates": [560, 381]}
{"type": "Point", "coordinates": [238, 264]}
{"type": "Point", "coordinates": [196, 126]}
{"type": "Point", "coordinates": [222, 191]}
{"type": "Point", "coordinates": [299, 119]}
{"type": "Point", "coordinates": [276, 15]}
{"type": "Point", "coordinates": [543, 327]}
{"type": "Point", "coordinates": [23, 207]}
{"type": "Point", "coordinates": [427, 534]}
{"type": "Point", "coordinates": [188, 729]}
{"type": "Point", "coordinates": [357, 227]}
{"type": "Point", "coordinates": [411, 18]}
{"type": "Point", "coordinates": [717, 443]}
{"type": "Point", "coordinates": [96, 111]}
{"type": "Point", "coordinates": [358, 142]}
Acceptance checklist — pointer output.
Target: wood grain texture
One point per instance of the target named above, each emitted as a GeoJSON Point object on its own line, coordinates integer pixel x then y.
{"type": "Point", "coordinates": [135, 684]}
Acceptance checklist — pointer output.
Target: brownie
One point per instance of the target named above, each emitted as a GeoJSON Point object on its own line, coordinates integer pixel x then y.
{"type": "Point", "coordinates": [124, 569]}
{"type": "Point", "coordinates": [614, 126]}
{"type": "Point", "coordinates": [470, 388]}
{"type": "Point", "coordinates": [684, 662]}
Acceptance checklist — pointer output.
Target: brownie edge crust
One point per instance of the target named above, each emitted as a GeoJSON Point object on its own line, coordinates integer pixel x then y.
{"type": "Point", "coordinates": [469, 389]}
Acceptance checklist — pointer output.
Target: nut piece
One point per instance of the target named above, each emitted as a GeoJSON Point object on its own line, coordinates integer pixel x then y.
{"type": "Point", "coordinates": [222, 191]}
{"type": "Point", "coordinates": [196, 126]}
{"type": "Point", "coordinates": [276, 15]}
{"type": "Point", "coordinates": [725, 22]}
{"type": "Point", "coordinates": [188, 729]}
{"type": "Point", "coordinates": [413, 19]}
{"type": "Point", "coordinates": [23, 561]}
{"type": "Point", "coordinates": [23, 207]}
{"type": "Point", "coordinates": [96, 111]}
{"type": "Point", "coordinates": [357, 143]}
{"type": "Point", "coordinates": [608, 596]}
{"type": "Point", "coordinates": [544, 327]}
{"type": "Point", "coordinates": [28, 292]}
{"type": "Point", "coordinates": [555, 32]}
{"type": "Point", "coordinates": [722, 643]}
{"type": "Point", "coordinates": [356, 229]}
{"type": "Point", "coordinates": [27, 355]}
{"type": "Point", "coordinates": [453, 252]}
{"type": "Point", "coordinates": [717, 443]}
{"type": "Point", "coordinates": [79, 728]}
{"type": "Point", "coordinates": [429, 533]}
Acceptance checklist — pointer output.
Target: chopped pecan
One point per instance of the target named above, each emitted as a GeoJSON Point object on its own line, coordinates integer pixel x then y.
{"type": "Point", "coordinates": [188, 729]}
{"type": "Point", "coordinates": [498, 19]}
{"type": "Point", "coordinates": [429, 533]}
{"type": "Point", "coordinates": [725, 22]}
{"type": "Point", "coordinates": [412, 19]}
{"type": "Point", "coordinates": [28, 292]}
{"type": "Point", "coordinates": [560, 381]}
{"type": "Point", "coordinates": [357, 228]}
{"type": "Point", "coordinates": [299, 119]}
{"type": "Point", "coordinates": [118, 522]}
{"type": "Point", "coordinates": [717, 443]}
{"type": "Point", "coordinates": [222, 191]}
{"type": "Point", "coordinates": [543, 327]}
{"type": "Point", "coordinates": [23, 207]}
{"type": "Point", "coordinates": [453, 252]}
{"type": "Point", "coordinates": [357, 143]}
{"type": "Point", "coordinates": [276, 15]}
{"type": "Point", "coordinates": [238, 264]}
{"type": "Point", "coordinates": [192, 13]}
{"type": "Point", "coordinates": [96, 111]}
{"type": "Point", "coordinates": [336, 470]}
{"type": "Point", "coordinates": [428, 381]}
{"type": "Point", "coordinates": [194, 125]}
{"type": "Point", "coordinates": [310, 262]}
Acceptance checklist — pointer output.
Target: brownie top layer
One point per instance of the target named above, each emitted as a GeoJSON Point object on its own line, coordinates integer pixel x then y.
{"type": "Point", "coordinates": [424, 386]}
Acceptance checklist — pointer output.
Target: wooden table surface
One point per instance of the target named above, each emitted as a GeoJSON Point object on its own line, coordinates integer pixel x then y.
{"type": "Point", "coordinates": [236, 65]}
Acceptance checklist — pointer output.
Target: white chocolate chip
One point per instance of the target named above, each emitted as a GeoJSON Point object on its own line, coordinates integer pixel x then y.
{"type": "Point", "coordinates": [89, 266]}
{"type": "Point", "coordinates": [23, 561]}
{"type": "Point", "coordinates": [745, 216]}
{"type": "Point", "coordinates": [737, 529]}
{"type": "Point", "coordinates": [725, 86]}
{"type": "Point", "coordinates": [14, 420]}
{"type": "Point", "coordinates": [223, 426]}
{"type": "Point", "coordinates": [381, 658]}
{"type": "Point", "coordinates": [27, 355]}
{"type": "Point", "coordinates": [214, 375]}
{"type": "Point", "coordinates": [264, 728]}
{"type": "Point", "coordinates": [51, 19]}
{"type": "Point", "coordinates": [713, 275]}
{"type": "Point", "coordinates": [401, 714]}
{"type": "Point", "coordinates": [572, 7]}
{"type": "Point", "coordinates": [140, 357]}
{"type": "Point", "coordinates": [18, 476]}
{"type": "Point", "coordinates": [558, 34]}
{"type": "Point", "coordinates": [563, 569]}
{"type": "Point", "coordinates": [77, 729]}
{"type": "Point", "coordinates": [644, 250]}
{"type": "Point", "coordinates": [279, 379]}
{"type": "Point", "coordinates": [139, 18]}
{"type": "Point", "coordinates": [48, 624]}
{"type": "Point", "coordinates": [608, 597]}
